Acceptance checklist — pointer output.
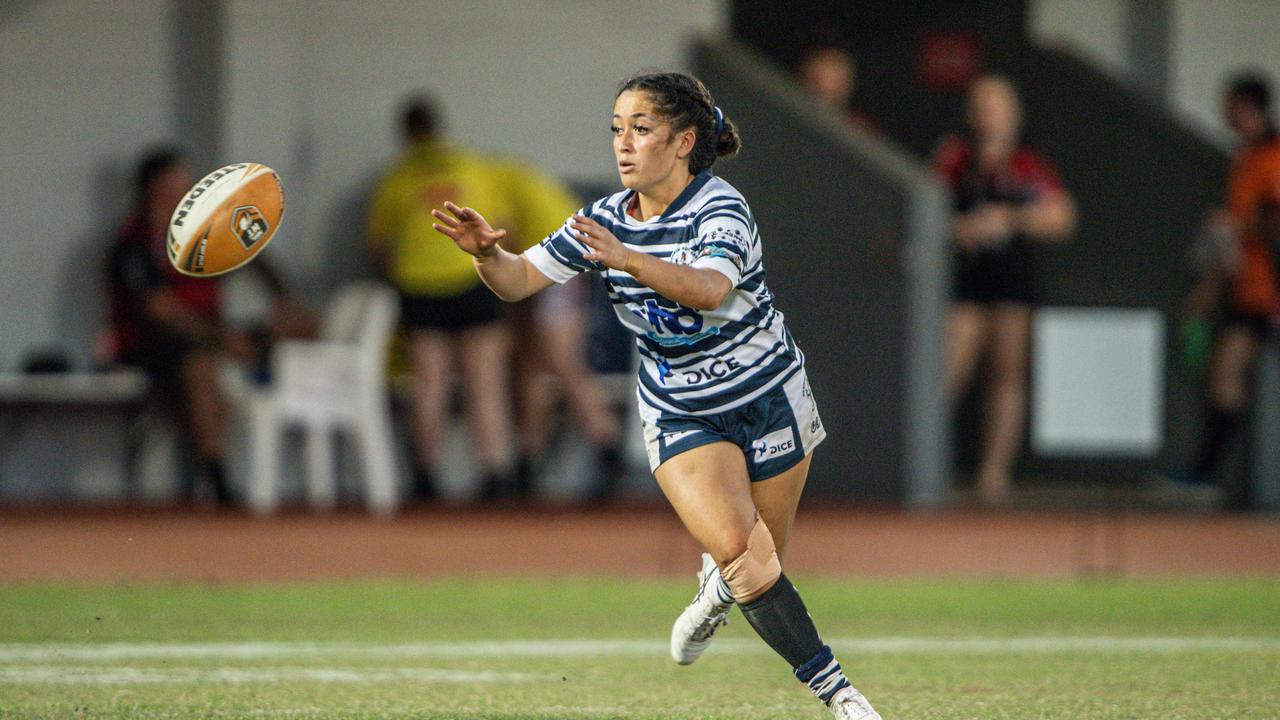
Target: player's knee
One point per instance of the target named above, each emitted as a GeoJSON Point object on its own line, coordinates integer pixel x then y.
{"type": "Point", "coordinates": [755, 568]}
{"type": "Point", "coordinates": [729, 546]}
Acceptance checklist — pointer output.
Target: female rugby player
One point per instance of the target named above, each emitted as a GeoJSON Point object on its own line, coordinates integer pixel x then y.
{"type": "Point", "coordinates": [729, 422]}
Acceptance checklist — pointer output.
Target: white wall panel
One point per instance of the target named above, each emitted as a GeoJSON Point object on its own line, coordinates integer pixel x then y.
{"type": "Point", "coordinates": [84, 86]}
{"type": "Point", "coordinates": [314, 93]}
{"type": "Point", "coordinates": [1211, 41]}
{"type": "Point", "coordinates": [1096, 29]}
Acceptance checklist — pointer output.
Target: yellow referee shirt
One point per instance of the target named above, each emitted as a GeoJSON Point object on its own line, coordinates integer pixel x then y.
{"type": "Point", "coordinates": [509, 195]}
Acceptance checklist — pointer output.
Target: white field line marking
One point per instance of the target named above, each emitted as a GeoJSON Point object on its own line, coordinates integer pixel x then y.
{"type": "Point", "coordinates": [114, 675]}
{"type": "Point", "coordinates": [107, 652]}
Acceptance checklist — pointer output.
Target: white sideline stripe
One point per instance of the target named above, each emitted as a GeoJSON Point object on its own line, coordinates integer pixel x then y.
{"type": "Point", "coordinates": [45, 652]}
{"type": "Point", "coordinates": [112, 675]}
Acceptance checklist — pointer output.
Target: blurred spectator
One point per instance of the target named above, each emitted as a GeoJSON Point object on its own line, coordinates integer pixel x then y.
{"type": "Point", "coordinates": [1005, 198]}
{"type": "Point", "coordinates": [554, 359]}
{"type": "Point", "coordinates": [1242, 280]}
{"type": "Point", "coordinates": [830, 75]}
{"type": "Point", "coordinates": [455, 323]}
{"type": "Point", "coordinates": [170, 324]}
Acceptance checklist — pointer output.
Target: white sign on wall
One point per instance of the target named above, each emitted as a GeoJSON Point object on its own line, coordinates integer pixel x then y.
{"type": "Point", "coordinates": [1097, 382]}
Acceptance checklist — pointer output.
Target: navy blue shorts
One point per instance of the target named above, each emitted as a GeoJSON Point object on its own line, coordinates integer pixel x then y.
{"type": "Point", "coordinates": [775, 431]}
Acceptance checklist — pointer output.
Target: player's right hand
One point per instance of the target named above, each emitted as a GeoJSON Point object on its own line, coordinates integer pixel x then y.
{"type": "Point", "coordinates": [468, 230]}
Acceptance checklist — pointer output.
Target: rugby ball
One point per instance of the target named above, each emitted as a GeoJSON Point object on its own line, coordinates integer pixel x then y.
{"type": "Point", "coordinates": [225, 220]}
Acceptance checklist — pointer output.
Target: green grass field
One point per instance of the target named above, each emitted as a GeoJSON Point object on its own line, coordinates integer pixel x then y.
{"type": "Point", "coordinates": [596, 648]}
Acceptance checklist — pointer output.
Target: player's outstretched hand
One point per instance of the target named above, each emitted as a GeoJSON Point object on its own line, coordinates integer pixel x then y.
{"type": "Point", "coordinates": [468, 230]}
{"type": "Point", "coordinates": [605, 247]}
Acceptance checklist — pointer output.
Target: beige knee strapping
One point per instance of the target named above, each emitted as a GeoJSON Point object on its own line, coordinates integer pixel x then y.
{"type": "Point", "coordinates": [756, 570]}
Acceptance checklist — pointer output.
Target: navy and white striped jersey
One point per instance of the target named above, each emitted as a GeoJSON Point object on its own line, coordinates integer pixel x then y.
{"type": "Point", "coordinates": [692, 362]}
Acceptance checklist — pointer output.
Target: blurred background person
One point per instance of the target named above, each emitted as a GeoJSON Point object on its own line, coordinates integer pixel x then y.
{"type": "Point", "coordinates": [456, 326]}
{"type": "Point", "coordinates": [552, 374]}
{"type": "Point", "coordinates": [1241, 285]}
{"type": "Point", "coordinates": [171, 326]}
{"type": "Point", "coordinates": [550, 333]}
{"type": "Point", "coordinates": [829, 74]}
{"type": "Point", "coordinates": [452, 322]}
{"type": "Point", "coordinates": [1005, 198]}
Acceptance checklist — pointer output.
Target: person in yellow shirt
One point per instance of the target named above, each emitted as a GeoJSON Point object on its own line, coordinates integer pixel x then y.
{"type": "Point", "coordinates": [454, 324]}
{"type": "Point", "coordinates": [550, 331]}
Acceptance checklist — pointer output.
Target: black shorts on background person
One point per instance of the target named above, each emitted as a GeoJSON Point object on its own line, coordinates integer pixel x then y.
{"type": "Point", "coordinates": [473, 308]}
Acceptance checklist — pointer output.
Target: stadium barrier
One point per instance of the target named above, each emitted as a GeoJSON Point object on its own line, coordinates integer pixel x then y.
{"type": "Point", "coordinates": [854, 234]}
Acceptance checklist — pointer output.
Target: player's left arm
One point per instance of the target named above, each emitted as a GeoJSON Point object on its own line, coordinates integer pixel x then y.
{"type": "Point", "coordinates": [698, 288]}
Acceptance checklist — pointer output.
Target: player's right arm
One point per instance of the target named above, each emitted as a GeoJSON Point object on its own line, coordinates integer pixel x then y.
{"type": "Point", "coordinates": [511, 277]}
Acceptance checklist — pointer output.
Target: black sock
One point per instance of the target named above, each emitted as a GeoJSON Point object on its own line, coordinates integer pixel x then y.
{"type": "Point", "coordinates": [781, 620]}
{"type": "Point", "coordinates": [1220, 429]}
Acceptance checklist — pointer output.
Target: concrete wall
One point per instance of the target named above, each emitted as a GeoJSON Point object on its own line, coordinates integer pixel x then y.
{"type": "Point", "coordinates": [1210, 41]}
{"type": "Point", "coordinates": [86, 85]}
{"type": "Point", "coordinates": [1207, 42]}
{"type": "Point", "coordinates": [314, 94]}
{"type": "Point", "coordinates": [1094, 29]}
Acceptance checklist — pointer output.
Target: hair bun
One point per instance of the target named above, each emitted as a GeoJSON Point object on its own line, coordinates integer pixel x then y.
{"type": "Point", "coordinates": [729, 141]}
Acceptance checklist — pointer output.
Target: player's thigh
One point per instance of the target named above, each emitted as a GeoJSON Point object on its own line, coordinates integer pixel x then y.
{"type": "Point", "coordinates": [777, 498]}
{"type": "Point", "coordinates": [1233, 355]}
{"type": "Point", "coordinates": [709, 489]}
{"type": "Point", "coordinates": [1010, 341]}
{"type": "Point", "coordinates": [966, 335]}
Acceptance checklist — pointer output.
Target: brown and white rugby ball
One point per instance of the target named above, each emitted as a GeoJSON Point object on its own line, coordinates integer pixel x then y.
{"type": "Point", "coordinates": [225, 220]}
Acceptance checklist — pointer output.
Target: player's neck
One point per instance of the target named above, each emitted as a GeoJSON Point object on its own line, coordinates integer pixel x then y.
{"type": "Point", "coordinates": [655, 200]}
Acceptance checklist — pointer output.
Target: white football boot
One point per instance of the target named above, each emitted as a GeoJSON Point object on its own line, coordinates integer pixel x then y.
{"type": "Point", "coordinates": [849, 704]}
{"type": "Point", "coordinates": [693, 630]}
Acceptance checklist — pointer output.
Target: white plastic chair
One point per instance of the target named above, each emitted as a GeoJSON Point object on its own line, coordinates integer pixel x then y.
{"type": "Point", "coordinates": [337, 383]}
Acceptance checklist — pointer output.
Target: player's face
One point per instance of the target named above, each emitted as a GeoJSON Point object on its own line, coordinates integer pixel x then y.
{"type": "Point", "coordinates": [645, 147]}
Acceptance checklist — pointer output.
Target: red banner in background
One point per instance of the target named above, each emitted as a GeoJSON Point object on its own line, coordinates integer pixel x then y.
{"type": "Point", "coordinates": [948, 60]}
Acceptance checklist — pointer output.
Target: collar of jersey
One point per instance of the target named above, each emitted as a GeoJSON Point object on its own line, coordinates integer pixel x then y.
{"type": "Point", "coordinates": [681, 200]}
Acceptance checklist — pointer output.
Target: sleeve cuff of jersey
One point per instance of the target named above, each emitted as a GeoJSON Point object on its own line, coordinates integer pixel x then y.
{"type": "Point", "coordinates": [722, 265]}
{"type": "Point", "coordinates": [549, 266]}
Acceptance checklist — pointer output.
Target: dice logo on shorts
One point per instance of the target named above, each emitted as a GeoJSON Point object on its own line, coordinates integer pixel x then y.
{"type": "Point", "coordinates": [775, 444]}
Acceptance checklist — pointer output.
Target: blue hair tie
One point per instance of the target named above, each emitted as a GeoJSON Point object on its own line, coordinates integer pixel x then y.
{"type": "Point", "coordinates": [719, 120]}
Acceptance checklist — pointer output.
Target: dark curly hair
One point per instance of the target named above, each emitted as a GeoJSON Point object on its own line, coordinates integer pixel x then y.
{"type": "Point", "coordinates": [686, 103]}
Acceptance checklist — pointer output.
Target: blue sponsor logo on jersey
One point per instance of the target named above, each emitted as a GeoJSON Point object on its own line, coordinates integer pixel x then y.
{"type": "Point", "coordinates": [672, 318]}
{"type": "Point", "coordinates": [668, 341]}
{"type": "Point", "coordinates": [673, 324]}
{"type": "Point", "coordinates": [664, 370]}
